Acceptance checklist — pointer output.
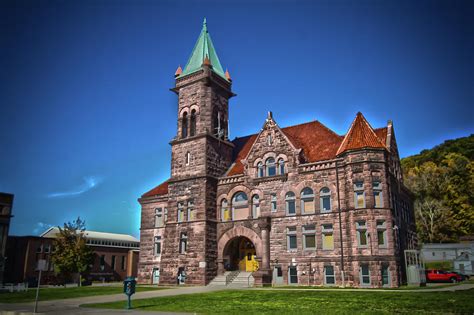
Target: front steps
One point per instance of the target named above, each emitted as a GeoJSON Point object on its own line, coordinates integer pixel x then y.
{"type": "Point", "coordinates": [234, 280]}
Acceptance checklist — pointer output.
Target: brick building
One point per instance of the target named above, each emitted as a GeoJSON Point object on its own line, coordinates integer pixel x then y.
{"type": "Point", "coordinates": [294, 205]}
{"type": "Point", "coordinates": [115, 257]}
{"type": "Point", "coordinates": [6, 203]}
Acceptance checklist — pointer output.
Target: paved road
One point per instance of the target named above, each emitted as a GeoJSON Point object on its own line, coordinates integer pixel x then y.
{"type": "Point", "coordinates": [71, 306]}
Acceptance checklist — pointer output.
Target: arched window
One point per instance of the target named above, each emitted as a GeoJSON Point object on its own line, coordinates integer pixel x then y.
{"type": "Point", "coordinates": [240, 206]}
{"type": "Point", "coordinates": [281, 166]}
{"type": "Point", "coordinates": [192, 130]}
{"type": "Point", "coordinates": [307, 200]}
{"type": "Point", "coordinates": [271, 167]}
{"type": "Point", "coordinates": [260, 169]}
{"type": "Point", "coordinates": [255, 206]}
{"type": "Point", "coordinates": [325, 199]}
{"type": "Point", "coordinates": [290, 203]}
{"type": "Point", "coordinates": [225, 213]}
{"type": "Point", "coordinates": [184, 126]}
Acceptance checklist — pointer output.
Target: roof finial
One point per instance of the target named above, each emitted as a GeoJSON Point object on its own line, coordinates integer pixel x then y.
{"type": "Point", "coordinates": [178, 71]}
{"type": "Point", "coordinates": [269, 115]}
{"type": "Point", "coordinates": [227, 75]}
{"type": "Point", "coordinates": [204, 24]}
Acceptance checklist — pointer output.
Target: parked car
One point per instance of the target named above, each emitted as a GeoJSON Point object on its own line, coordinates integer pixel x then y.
{"type": "Point", "coordinates": [463, 276]}
{"type": "Point", "coordinates": [434, 275]}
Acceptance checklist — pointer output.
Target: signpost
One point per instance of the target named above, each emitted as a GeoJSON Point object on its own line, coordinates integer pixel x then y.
{"type": "Point", "coordinates": [129, 285]}
{"type": "Point", "coordinates": [42, 266]}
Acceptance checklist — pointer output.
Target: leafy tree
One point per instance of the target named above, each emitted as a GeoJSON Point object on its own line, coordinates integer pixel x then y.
{"type": "Point", "coordinates": [442, 180]}
{"type": "Point", "coordinates": [71, 255]}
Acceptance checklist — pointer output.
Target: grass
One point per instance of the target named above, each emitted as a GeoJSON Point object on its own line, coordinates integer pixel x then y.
{"type": "Point", "coordinates": [405, 287]}
{"type": "Point", "coordinates": [46, 294]}
{"type": "Point", "coordinates": [307, 302]}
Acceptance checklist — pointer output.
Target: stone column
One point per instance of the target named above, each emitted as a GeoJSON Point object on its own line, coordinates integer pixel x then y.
{"type": "Point", "coordinates": [266, 249]}
{"type": "Point", "coordinates": [220, 266]}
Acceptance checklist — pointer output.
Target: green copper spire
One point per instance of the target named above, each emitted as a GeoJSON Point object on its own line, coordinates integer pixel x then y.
{"type": "Point", "coordinates": [203, 48]}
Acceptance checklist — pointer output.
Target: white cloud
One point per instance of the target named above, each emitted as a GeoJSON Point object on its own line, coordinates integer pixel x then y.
{"type": "Point", "coordinates": [89, 183]}
{"type": "Point", "coordinates": [41, 227]}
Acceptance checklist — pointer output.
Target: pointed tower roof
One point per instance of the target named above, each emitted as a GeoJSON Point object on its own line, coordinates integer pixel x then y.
{"type": "Point", "coordinates": [203, 49]}
{"type": "Point", "coordinates": [360, 135]}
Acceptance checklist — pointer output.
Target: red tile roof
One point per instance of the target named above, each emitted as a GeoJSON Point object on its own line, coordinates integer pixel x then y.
{"type": "Point", "coordinates": [161, 189]}
{"type": "Point", "coordinates": [317, 142]}
{"type": "Point", "coordinates": [360, 135]}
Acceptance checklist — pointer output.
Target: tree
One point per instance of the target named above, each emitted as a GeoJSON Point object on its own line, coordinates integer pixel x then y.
{"type": "Point", "coordinates": [71, 255]}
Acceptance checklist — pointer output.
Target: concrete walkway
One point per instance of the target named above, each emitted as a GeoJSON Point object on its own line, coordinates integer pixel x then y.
{"type": "Point", "coordinates": [71, 306]}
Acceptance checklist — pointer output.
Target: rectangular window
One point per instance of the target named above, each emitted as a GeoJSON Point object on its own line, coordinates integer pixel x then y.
{"type": "Point", "coordinates": [227, 214]}
{"type": "Point", "coordinates": [157, 245]}
{"type": "Point", "coordinates": [359, 195]}
{"type": "Point", "coordinates": [47, 248]}
{"type": "Point", "coordinates": [181, 212]}
{"type": "Point", "coordinates": [361, 227]}
{"type": "Point", "coordinates": [381, 233]}
{"type": "Point", "coordinates": [329, 278]}
{"type": "Point", "coordinates": [292, 275]}
{"type": "Point", "coordinates": [123, 263]}
{"type": "Point", "coordinates": [325, 203]}
{"type": "Point", "coordinates": [364, 275]}
{"type": "Point", "coordinates": [158, 217]}
{"type": "Point", "coordinates": [191, 211]}
{"type": "Point", "coordinates": [385, 276]}
{"type": "Point", "coordinates": [255, 210]}
{"type": "Point", "coordinates": [183, 243]}
{"type": "Point", "coordinates": [273, 199]}
{"type": "Point", "coordinates": [377, 187]}
{"type": "Point", "coordinates": [307, 204]}
{"type": "Point", "coordinates": [328, 237]}
{"type": "Point", "coordinates": [112, 265]}
{"type": "Point", "coordinates": [291, 238]}
{"type": "Point", "coordinates": [290, 207]}
{"type": "Point", "coordinates": [309, 237]}
{"type": "Point", "coordinates": [102, 262]}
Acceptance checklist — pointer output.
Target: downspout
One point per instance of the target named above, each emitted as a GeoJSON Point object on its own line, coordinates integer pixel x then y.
{"type": "Point", "coordinates": [340, 225]}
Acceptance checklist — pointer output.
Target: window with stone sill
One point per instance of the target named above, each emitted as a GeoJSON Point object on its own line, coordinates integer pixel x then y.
{"type": "Point", "coordinates": [240, 206]}
{"type": "Point", "coordinates": [328, 237]}
{"type": "Point", "coordinates": [187, 159]}
{"type": "Point", "coordinates": [291, 241]}
{"type": "Point", "coordinates": [191, 211]}
{"type": "Point", "coordinates": [281, 166]}
{"type": "Point", "coordinates": [325, 200]}
{"type": "Point", "coordinates": [381, 233]}
{"type": "Point", "coordinates": [255, 206]}
{"type": "Point", "coordinates": [307, 201]}
{"type": "Point", "coordinates": [260, 170]}
{"type": "Point", "coordinates": [359, 195]}
{"type": "Point", "coordinates": [159, 217]}
{"type": "Point", "coordinates": [273, 202]}
{"type": "Point", "coordinates": [181, 212]}
{"type": "Point", "coordinates": [225, 212]}
{"type": "Point", "coordinates": [270, 166]}
{"type": "Point", "coordinates": [361, 229]}
{"type": "Point", "coordinates": [329, 277]}
{"type": "Point", "coordinates": [309, 237]}
{"type": "Point", "coordinates": [157, 245]}
{"type": "Point", "coordinates": [183, 243]}
{"type": "Point", "coordinates": [377, 188]}
{"type": "Point", "coordinates": [290, 201]}
{"type": "Point", "coordinates": [364, 272]}
{"type": "Point", "coordinates": [192, 130]}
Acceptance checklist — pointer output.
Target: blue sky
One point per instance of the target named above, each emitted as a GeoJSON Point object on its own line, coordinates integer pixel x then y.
{"type": "Point", "coordinates": [86, 113]}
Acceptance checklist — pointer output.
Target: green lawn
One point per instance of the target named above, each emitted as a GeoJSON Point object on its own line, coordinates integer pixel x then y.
{"type": "Point", "coordinates": [63, 293]}
{"type": "Point", "coordinates": [307, 302]}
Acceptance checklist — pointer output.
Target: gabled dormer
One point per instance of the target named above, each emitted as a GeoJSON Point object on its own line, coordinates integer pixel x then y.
{"type": "Point", "coordinates": [272, 152]}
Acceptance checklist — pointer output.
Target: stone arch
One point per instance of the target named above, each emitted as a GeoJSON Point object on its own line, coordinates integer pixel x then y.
{"type": "Point", "coordinates": [235, 232]}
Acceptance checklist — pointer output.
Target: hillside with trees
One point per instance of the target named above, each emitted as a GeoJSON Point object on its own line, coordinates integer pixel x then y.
{"type": "Point", "coordinates": [442, 180]}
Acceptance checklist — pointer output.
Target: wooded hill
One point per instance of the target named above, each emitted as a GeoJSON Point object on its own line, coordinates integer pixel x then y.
{"type": "Point", "coordinates": [442, 180]}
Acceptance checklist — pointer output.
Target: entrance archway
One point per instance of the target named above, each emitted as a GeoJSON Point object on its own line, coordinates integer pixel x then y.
{"type": "Point", "coordinates": [240, 254]}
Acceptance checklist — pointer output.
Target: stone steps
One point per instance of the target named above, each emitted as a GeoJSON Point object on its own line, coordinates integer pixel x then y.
{"type": "Point", "coordinates": [238, 279]}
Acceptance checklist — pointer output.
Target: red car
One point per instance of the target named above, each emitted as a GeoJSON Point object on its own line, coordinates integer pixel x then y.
{"type": "Point", "coordinates": [433, 275]}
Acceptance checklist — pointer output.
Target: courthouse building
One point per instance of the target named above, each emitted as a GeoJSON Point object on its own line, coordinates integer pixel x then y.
{"type": "Point", "coordinates": [290, 205]}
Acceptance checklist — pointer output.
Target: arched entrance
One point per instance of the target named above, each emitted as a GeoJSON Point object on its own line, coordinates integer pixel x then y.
{"type": "Point", "coordinates": [240, 254]}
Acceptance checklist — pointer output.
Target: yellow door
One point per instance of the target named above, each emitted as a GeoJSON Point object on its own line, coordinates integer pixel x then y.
{"type": "Point", "coordinates": [251, 263]}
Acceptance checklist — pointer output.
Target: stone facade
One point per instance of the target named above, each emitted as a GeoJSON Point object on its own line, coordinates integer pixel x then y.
{"type": "Point", "coordinates": [311, 207]}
